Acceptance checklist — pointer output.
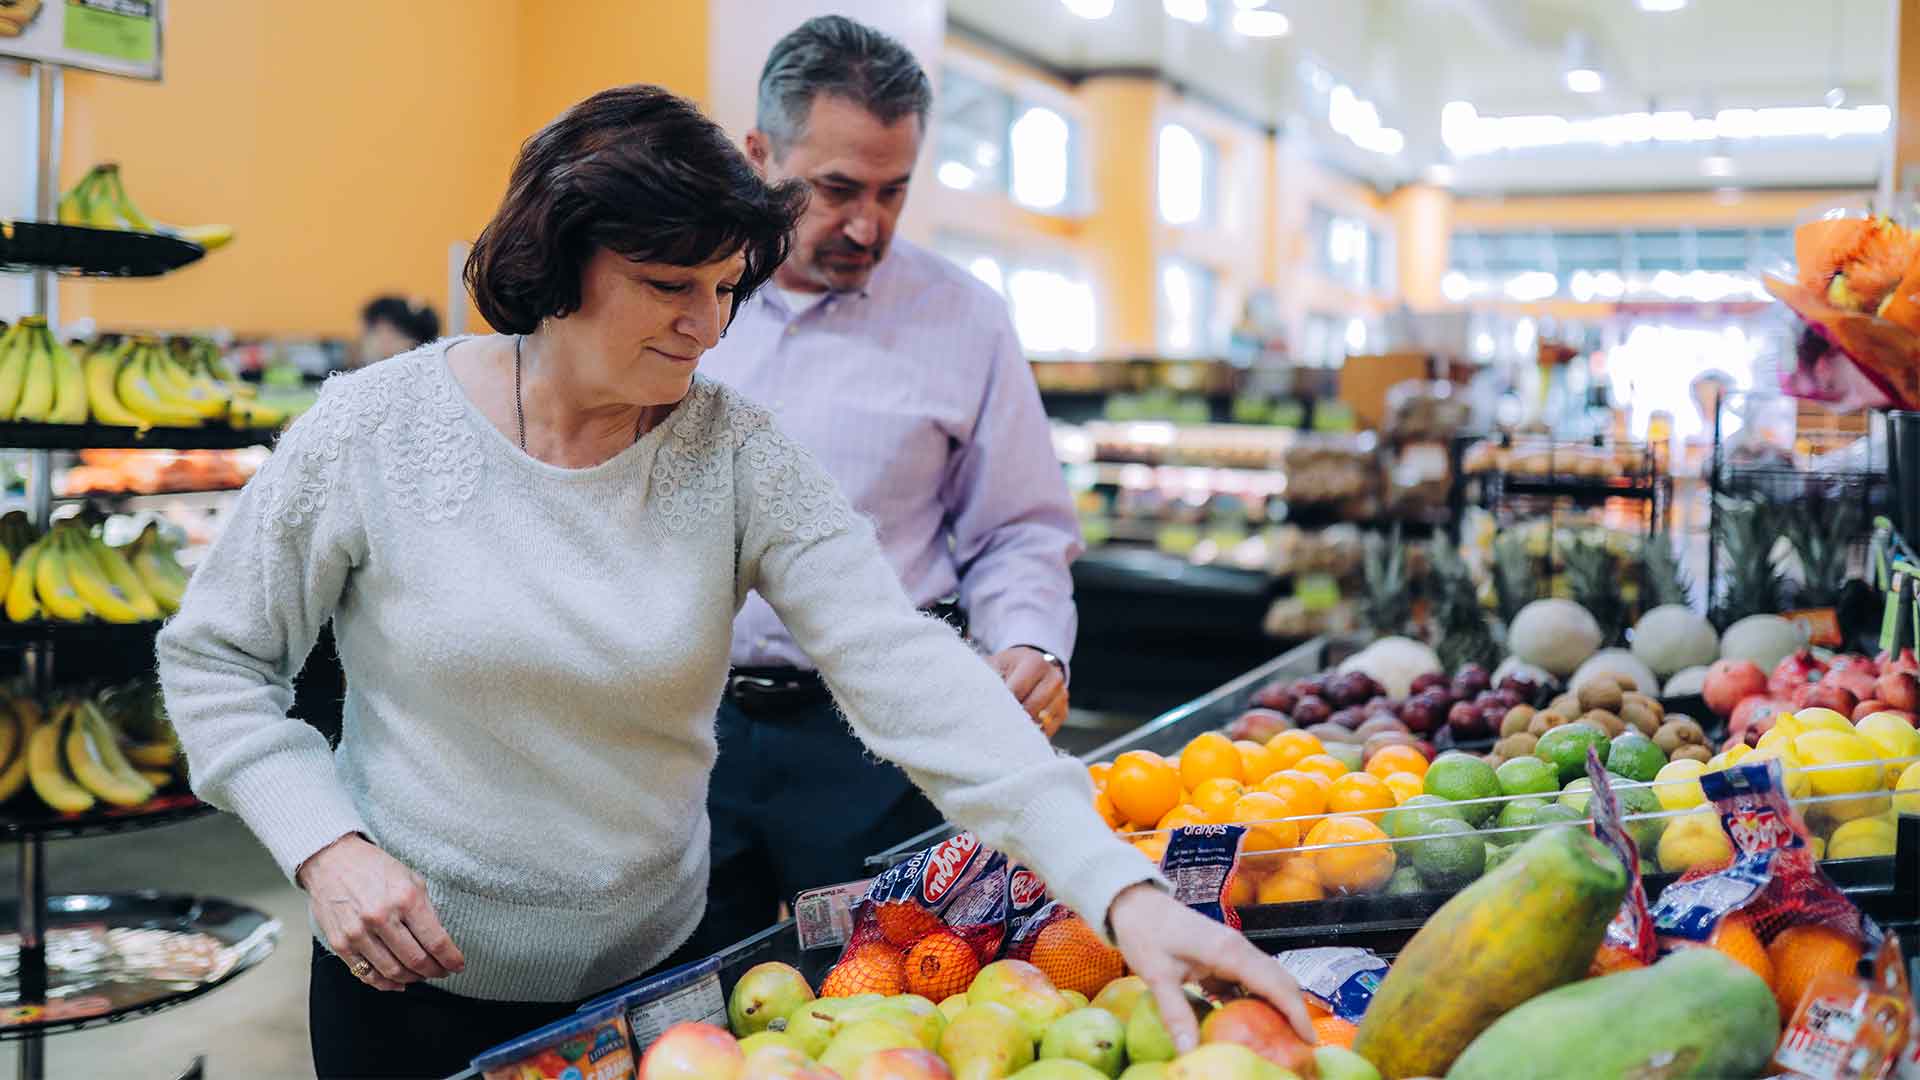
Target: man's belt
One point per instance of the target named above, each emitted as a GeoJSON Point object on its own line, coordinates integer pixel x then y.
{"type": "Point", "coordinates": [770, 691]}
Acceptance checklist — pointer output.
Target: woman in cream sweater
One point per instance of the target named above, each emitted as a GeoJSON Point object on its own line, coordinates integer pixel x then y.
{"type": "Point", "coordinates": [531, 546]}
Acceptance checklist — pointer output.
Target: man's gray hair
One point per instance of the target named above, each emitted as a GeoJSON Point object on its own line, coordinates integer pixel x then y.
{"type": "Point", "coordinates": [835, 56]}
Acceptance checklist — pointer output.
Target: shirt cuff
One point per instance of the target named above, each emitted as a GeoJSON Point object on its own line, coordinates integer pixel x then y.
{"type": "Point", "coordinates": [1023, 628]}
{"type": "Point", "coordinates": [294, 802]}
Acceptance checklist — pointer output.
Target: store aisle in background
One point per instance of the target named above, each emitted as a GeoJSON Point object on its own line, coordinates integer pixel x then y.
{"type": "Point", "coordinates": [257, 1029]}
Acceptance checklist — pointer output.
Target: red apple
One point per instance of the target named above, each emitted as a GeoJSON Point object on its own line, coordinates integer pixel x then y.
{"type": "Point", "coordinates": [691, 1052]}
{"type": "Point", "coordinates": [1260, 1028]}
{"type": "Point", "coordinates": [1825, 695]}
{"type": "Point", "coordinates": [1258, 725]}
{"type": "Point", "coordinates": [1430, 680]}
{"type": "Point", "coordinates": [1899, 689]}
{"type": "Point", "coordinates": [1311, 709]}
{"type": "Point", "coordinates": [1276, 696]}
{"type": "Point", "coordinates": [1731, 681]}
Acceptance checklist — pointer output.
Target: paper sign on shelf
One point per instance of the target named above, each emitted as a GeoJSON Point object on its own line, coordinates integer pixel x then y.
{"type": "Point", "coordinates": [115, 37]}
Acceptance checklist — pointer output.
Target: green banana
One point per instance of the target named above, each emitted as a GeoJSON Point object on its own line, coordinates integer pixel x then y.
{"type": "Point", "coordinates": [36, 392]}
{"type": "Point", "coordinates": [116, 196]}
{"type": "Point", "coordinates": [50, 781]}
{"type": "Point", "coordinates": [95, 758]}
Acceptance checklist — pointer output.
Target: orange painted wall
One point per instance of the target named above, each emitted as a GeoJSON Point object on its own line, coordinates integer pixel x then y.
{"type": "Point", "coordinates": [349, 146]}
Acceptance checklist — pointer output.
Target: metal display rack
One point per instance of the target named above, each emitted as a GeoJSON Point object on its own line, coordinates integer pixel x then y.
{"type": "Point", "coordinates": [89, 960]}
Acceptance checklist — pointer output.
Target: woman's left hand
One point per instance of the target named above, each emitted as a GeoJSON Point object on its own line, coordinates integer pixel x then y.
{"type": "Point", "coordinates": [1168, 943]}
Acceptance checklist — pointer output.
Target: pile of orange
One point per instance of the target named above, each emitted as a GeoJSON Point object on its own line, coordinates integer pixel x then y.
{"type": "Point", "coordinates": [1792, 961]}
{"type": "Point", "coordinates": [1270, 789]}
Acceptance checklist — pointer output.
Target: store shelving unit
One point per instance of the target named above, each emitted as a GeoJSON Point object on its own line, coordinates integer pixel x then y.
{"type": "Point", "coordinates": [82, 961]}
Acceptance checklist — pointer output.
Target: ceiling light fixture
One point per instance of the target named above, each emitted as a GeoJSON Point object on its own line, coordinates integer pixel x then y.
{"type": "Point", "coordinates": [1836, 97]}
{"type": "Point", "coordinates": [1716, 165]}
{"type": "Point", "coordinates": [1440, 175]}
{"type": "Point", "coordinates": [1260, 23]}
{"type": "Point", "coordinates": [1662, 5]}
{"type": "Point", "coordinates": [1187, 11]}
{"type": "Point", "coordinates": [1585, 81]}
{"type": "Point", "coordinates": [1089, 9]}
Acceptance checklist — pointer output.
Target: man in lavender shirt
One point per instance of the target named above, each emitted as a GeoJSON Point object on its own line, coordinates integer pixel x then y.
{"type": "Point", "coordinates": [902, 374]}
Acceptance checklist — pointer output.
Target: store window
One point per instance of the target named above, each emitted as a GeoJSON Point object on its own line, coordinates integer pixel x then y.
{"type": "Point", "coordinates": [1042, 142]}
{"type": "Point", "coordinates": [970, 134]}
{"type": "Point", "coordinates": [1053, 311]}
{"type": "Point", "coordinates": [1187, 298]}
{"type": "Point", "coordinates": [1685, 264]}
{"type": "Point", "coordinates": [1345, 249]}
{"type": "Point", "coordinates": [1187, 164]}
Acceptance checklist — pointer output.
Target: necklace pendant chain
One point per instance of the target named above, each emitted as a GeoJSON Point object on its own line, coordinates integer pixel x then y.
{"type": "Point", "coordinates": [520, 408]}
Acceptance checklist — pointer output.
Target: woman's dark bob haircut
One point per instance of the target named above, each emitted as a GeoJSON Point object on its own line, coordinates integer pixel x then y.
{"type": "Point", "coordinates": [637, 170]}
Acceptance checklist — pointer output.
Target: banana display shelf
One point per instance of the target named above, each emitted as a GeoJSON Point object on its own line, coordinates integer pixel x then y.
{"type": "Point", "coordinates": [86, 251]}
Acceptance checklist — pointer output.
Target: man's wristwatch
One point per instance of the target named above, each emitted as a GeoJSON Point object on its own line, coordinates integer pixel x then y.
{"type": "Point", "coordinates": [1058, 664]}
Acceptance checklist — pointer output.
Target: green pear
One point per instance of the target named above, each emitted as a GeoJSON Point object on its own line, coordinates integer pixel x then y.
{"type": "Point", "coordinates": [922, 1018]}
{"type": "Point", "coordinates": [814, 1024]}
{"type": "Point", "coordinates": [1340, 1063]}
{"type": "Point", "coordinates": [1226, 1061]}
{"type": "Point", "coordinates": [767, 1040]}
{"type": "Point", "coordinates": [1060, 1069]}
{"type": "Point", "coordinates": [1093, 1037]}
{"type": "Point", "coordinates": [1120, 996]}
{"type": "Point", "coordinates": [860, 1039]}
{"type": "Point", "coordinates": [1075, 999]}
{"type": "Point", "coordinates": [1147, 1037]}
{"type": "Point", "coordinates": [986, 1041]}
{"type": "Point", "coordinates": [952, 1006]}
{"type": "Point", "coordinates": [764, 997]}
{"type": "Point", "coordinates": [1023, 988]}
{"type": "Point", "coordinates": [1146, 1070]}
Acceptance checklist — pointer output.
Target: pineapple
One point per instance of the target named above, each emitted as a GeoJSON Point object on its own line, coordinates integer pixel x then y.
{"type": "Point", "coordinates": [1515, 585]}
{"type": "Point", "coordinates": [1386, 603]}
{"type": "Point", "coordinates": [1593, 582]}
{"type": "Point", "coordinates": [1820, 531]}
{"type": "Point", "coordinates": [1459, 621]}
{"type": "Point", "coordinates": [1664, 580]}
{"type": "Point", "coordinates": [1754, 584]}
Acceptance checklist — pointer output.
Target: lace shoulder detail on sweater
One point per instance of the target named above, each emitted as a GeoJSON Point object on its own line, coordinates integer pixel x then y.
{"type": "Point", "coordinates": [694, 473]}
{"type": "Point", "coordinates": [430, 462]}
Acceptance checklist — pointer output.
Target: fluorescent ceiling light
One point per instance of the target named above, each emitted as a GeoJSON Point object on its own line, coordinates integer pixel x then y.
{"type": "Point", "coordinates": [1836, 97]}
{"type": "Point", "coordinates": [1188, 11]}
{"type": "Point", "coordinates": [1466, 133]}
{"type": "Point", "coordinates": [1585, 81]}
{"type": "Point", "coordinates": [1260, 23]}
{"type": "Point", "coordinates": [1716, 165]}
{"type": "Point", "coordinates": [1662, 5]}
{"type": "Point", "coordinates": [1441, 174]}
{"type": "Point", "coordinates": [1089, 9]}
{"type": "Point", "coordinates": [955, 174]}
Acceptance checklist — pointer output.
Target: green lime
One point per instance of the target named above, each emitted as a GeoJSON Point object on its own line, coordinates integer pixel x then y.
{"type": "Point", "coordinates": [1459, 777]}
{"type": "Point", "coordinates": [1642, 800]}
{"type": "Point", "coordinates": [1451, 859]}
{"type": "Point", "coordinates": [1497, 854]}
{"type": "Point", "coordinates": [1565, 748]}
{"type": "Point", "coordinates": [1404, 881]}
{"type": "Point", "coordinates": [1412, 818]}
{"type": "Point", "coordinates": [1575, 795]}
{"type": "Point", "coordinates": [1347, 753]}
{"type": "Point", "coordinates": [1518, 814]}
{"type": "Point", "coordinates": [1635, 757]}
{"type": "Point", "coordinates": [1527, 776]}
{"type": "Point", "coordinates": [1559, 814]}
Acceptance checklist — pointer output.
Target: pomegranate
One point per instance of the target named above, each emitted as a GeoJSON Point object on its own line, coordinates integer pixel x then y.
{"type": "Point", "coordinates": [1899, 689]}
{"type": "Point", "coordinates": [1868, 708]}
{"type": "Point", "coordinates": [1825, 695]}
{"type": "Point", "coordinates": [1729, 682]}
{"type": "Point", "coordinates": [1794, 672]}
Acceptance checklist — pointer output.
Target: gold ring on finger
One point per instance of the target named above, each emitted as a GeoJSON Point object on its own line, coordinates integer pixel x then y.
{"type": "Point", "coordinates": [361, 969]}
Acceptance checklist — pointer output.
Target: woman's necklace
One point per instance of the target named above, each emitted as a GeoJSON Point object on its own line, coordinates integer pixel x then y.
{"type": "Point", "coordinates": [520, 408]}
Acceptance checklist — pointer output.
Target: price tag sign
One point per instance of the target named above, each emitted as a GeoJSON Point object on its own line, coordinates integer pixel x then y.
{"type": "Point", "coordinates": [116, 37]}
{"type": "Point", "coordinates": [1317, 592]}
{"type": "Point", "coordinates": [1890, 621]}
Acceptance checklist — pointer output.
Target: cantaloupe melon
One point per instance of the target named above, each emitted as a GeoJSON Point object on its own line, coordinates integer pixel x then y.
{"type": "Point", "coordinates": [1557, 635]}
{"type": "Point", "coordinates": [1674, 636]}
{"type": "Point", "coordinates": [1764, 639]}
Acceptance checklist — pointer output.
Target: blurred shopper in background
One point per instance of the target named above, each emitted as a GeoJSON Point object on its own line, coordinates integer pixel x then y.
{"type": "Point", "coordinates": [902, 374]}
{"type": "Point", "coordinates": [391, 325]}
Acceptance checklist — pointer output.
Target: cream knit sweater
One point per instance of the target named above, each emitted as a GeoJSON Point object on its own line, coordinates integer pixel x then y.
{"type": "Point", "coordinates": [534, 656]}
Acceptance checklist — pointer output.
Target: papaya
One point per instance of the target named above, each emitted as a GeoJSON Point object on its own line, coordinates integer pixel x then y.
{"type": "Point", "coordinates": [1521, 930]}
{"type": "Point", "coordinates": [1696, 1014]}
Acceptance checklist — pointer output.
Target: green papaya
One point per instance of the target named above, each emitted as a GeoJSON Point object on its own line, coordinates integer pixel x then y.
{"type": "Point", "coordinates": [1519, 931]}
{"type": "Point", "coordinates": [1696, 1015]}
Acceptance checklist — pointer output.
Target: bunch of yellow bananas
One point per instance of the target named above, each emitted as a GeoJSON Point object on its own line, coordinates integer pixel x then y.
{"type": "Point", "coordinates": [76, 758]}
{"type": "Point", "coordinates": [136, 382]}
{"type": "Point", "coordinates": [71, 575]}
{"type": "Point", "coordinates": [100, 201]}
{"type": "Point", "coordinates": [15, 15]}
{"type": "Point", "coordinates": [40, 379]}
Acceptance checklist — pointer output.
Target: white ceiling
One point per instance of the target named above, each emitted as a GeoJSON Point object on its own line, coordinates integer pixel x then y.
{"type": "Point", "coordinates": [1506, 57]}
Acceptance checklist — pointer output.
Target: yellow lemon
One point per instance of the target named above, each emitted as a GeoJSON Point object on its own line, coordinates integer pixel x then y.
{"type": "Point", "coordinates": [1820, 720]}
{"type": "Point", "coordinates": [1789, 723]}
{"type": "Point", "coordinates": [1867, 837]}
{"type": "Point", "coordinates": [1899, 744]}
{"type": "Point", "coordinates": [1909, 781]}
{"type": "Point", "coordinates": [1780, 735]}
{"type": "Point", "coordinates": [1791, 773]}
{"type": "Point", "coordinates": [1729, 757]}
{"type": "Point", "coordinates": [1840, 762]}
{"type": "Point", "coordinates": [1677, 784]}
{"type": "Point", "coordinates": [1818, 847]}
{"type": "Point", "coordinates": [1693, 840]}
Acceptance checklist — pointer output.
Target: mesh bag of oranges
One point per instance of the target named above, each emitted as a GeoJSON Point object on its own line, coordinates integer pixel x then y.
{"type": "Point", "coordinates": [1770, 907]}
{"type": "Point", "coordinates": [927, 924]}
{"type": "Point", "coordinates": [1051, 937]}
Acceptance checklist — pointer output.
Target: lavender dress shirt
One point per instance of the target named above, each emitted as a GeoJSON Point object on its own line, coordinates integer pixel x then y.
{"type": "Point", "coordinates": [915, 396]}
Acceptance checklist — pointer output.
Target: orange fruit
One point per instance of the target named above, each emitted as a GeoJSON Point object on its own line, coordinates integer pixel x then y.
{"type": "Point", "coordinates": [1211, 756]}
{"type": "Point", "coordinates": [873, 968]}
{"type": "Point", "coordinates": [1075, 958]}
{"type": "Point", "coordinates": [1097, 772]}
{"type": "Point", "coordinates": [940, 966]}
{"type": "Point", "coordinates": [1181, 816]}
{"type": "Point", "coordinates": [1143, 787]}
{"type": "Point", "coordinates": [1256, 761]}
{"type": "Point", "coordinates": [1735, 937]}
{"type": "Point", "coordinates": [1153, 847]}
{"type": "Point", "coordinates": [1325, 764]}
{"type": "Point", "coordinates": [902, 923]}
{"type": "Point", "coordinates": [1285, 888]}
{"type": "Point", "coordinates": [1333, 1031]}
{"type": "Point", "coordinates": [1288, 747]}
{"type": "Point", "coordinates": [1315, 1010]}
{"type": "Point", "coordinates": [1360, 793]}
{"type": "Point", "coordinates": [1801, 953]}
{"type": "Point", "coordinates": [1359, 868]}
{"type": "Point", "coordinates": [1109, 813]}
{"type": "Point", "coordinates": [1404, 786]}
{"type": "Point", "coordinates": [1392, 759]}
{"type": "Point", "coordinates": [1243, 889]}
{"type": "Point", "coordinates": [1216, 797]}
{"type": "Point", "coordinates": [1612, 958]}
{"type": "Point", "coordinates": [1304, 793]}
{"type": "Point", "coordinates": [1272, 833]}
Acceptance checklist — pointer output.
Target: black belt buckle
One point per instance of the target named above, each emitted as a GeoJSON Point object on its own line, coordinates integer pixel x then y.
{"type": "Point", "coordinates": [760, 693]}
